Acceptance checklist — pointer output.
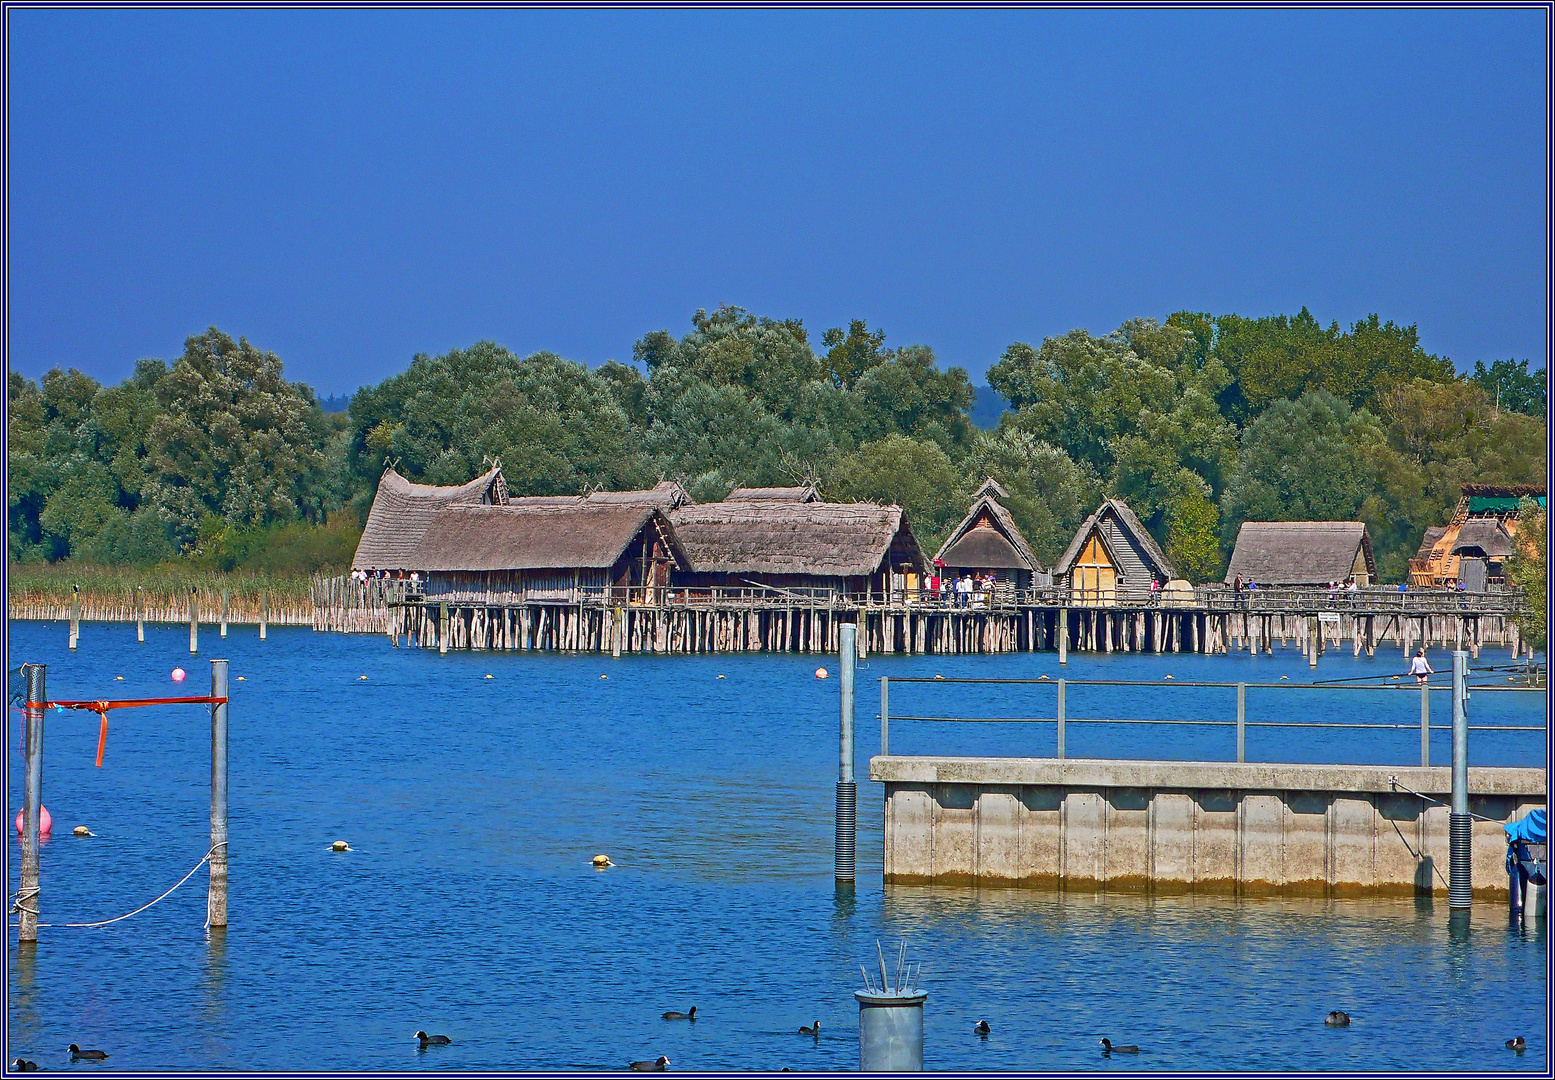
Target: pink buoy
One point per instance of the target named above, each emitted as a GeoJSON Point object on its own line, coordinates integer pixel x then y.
{"type": "Point", "coordinates": [179, 674]}
{"type": "Point", "coordinates": [45, 821]}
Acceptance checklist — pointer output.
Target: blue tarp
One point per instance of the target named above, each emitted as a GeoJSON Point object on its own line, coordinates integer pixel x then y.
{"type": "Point", "coordinates": [1531, 828]}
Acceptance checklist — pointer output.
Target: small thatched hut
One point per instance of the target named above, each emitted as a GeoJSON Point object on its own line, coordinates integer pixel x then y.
{"type": "Point", "coordinates": [857, 547]}
{"type": "Point", "coordinates": [988, 542]}
{"type": "Point", "coordinates": [402, 511]}
{"type": "Point", "coordinates": [1302, 553]}
{"type": "Point", "coordinates": [549, 553]}
{"type": "Point", "coordinates": [1478, 539]}
{"type": "Point", "coordinates": [1112, 558]}
{"type": "Point", "coordinates": [806, 493]}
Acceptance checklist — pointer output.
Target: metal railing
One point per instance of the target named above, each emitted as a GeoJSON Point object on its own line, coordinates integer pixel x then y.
{"type": "Point", "coordinates": [1061, 719]}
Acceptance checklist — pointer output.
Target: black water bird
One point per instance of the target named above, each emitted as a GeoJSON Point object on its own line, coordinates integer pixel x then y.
{"type": "Point", "coordinates": [660, 1065]}
{"type": "Point", "coordinates": [981, 1027]}
{"type": "Point", "coordinates": [1516, 1044]}
{"type": "Point", "coordinates": [1108, 1048]}
{"type": "Point", "coordinates": [23, 1065]}
{"type": "Point", "coordinates": [432, 1040]}
{"type": "Point", "coordinates": [813, 1030]}
{"type": "Point", "coordinates": [692, 1015]}
{"type": "Point", "coordinates": [1337, 1019]}
{"type": "Point", "coordinates": [78, 1054]}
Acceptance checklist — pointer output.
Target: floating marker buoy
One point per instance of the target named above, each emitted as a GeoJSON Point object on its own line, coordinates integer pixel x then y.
{"type": "Point", "coordinates": [1166, 676]}
{"type": "Point", "coordinates": [240, 678]}
{"type": "Point", "coordinates": [720, 676]}
{"type": "Point", "coordinates": [45, 820]}
{"type": "Point", "coordinates": [340, 845]}
{"type": "Point", "coordinates": [820, 673]}
{"type": "Point", "coordinates": [179, 674]}
{"type": "Point", "coordinates": [361, 678]}
{"type": "Point", "coordinates": [82, 830]}
{"type": "Point", "coordinates": [118, 678]}
{"type": "Point", "coordinates": [602, 861]}
{"type": "Point", "coordinates": [488, 676]}
{"type": "Point", "coordinates": [604, 676]}
{"type": "Point", "coordinates": [1285, 677]}
{"type": "Point", "coordinates": [1041, 676]}
{"type": "Point", "coordinates": [939, 676]}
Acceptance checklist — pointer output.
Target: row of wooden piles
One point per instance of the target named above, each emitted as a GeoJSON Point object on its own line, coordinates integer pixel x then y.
{"type": "Point", "coordinates": [152, 606]}
{"type": "Point", "coordinates": [574, 628]}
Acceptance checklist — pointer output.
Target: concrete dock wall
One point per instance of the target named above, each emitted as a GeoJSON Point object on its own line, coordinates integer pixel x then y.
{"type": "Point", "coordinates": [1170, 826]}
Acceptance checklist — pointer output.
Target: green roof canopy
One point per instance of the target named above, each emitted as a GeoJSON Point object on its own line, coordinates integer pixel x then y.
{"type": "Point", "coordinates": [1481, 504]}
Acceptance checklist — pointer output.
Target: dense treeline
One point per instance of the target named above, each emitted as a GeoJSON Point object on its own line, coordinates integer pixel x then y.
{"type": "Point", "coordinates": [1200, 423]}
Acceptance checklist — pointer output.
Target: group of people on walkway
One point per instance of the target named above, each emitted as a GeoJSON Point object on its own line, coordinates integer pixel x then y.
{"type": "Point", "coordinates": [959, 590]}
{"type": "Point", "coordinates": [362, 577]}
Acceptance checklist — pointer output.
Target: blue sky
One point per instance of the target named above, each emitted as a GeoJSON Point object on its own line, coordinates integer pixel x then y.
{"type": "Point", "coordinates": [349, 189]}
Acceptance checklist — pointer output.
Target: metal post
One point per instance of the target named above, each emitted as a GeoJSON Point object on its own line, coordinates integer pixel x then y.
{"type": "Point", "coordinates": [75, 616]}
{"type": "Point", "coordinates": [1425, 726]}
{"type": "Point", "coordinates": [1060, 718]}
{"type": "Point", "coordinates": [216, 898]}
{"type": "Point", "coordinates": [1241, 721]}
{"type": "Point", "coordinates": [1460, 890]}
{"type": "Point", "coordinates": [619, 632]}
{"type": "Point", "coordinates": [885, 716]}
{"type": "Point", "coordinates": [847, 790]}
{"type": "Point", "coordinates": [32, 800]}
{"type": "Point", "coordinates": [224, 613]}
{"type": "Point", "coordinates": [442, 629]}
{"type": "Point", "coordinates": [194, 622]}
{"type": "Point", "coordinates": [1063, 637]}
{"type": "Point", "coordinates": [890, 1030]}
{"type": "Point", "coordinates": [140, 615]}
{"type": "Point", "coordinates": [1313, 629]}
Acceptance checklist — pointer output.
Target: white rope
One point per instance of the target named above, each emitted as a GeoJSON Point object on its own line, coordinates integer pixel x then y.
{"type": "Point", "coordinates": [1477, 817]}
{"type": "Point", "coordinates": [15, 906]}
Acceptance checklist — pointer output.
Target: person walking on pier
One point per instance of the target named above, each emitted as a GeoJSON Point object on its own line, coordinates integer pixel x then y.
{"type": "Point", "coordinates": [1420, 668]}
{"type": "Point", "coordinates": [1236, 588]}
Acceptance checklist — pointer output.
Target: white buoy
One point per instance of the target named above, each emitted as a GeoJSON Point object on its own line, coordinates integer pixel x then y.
{"type": "Point", "coordinates": [340, 845]}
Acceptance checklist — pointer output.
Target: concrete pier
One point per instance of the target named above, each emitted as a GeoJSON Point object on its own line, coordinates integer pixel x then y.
{"type": "Point", "coordinates": [1171, 826]}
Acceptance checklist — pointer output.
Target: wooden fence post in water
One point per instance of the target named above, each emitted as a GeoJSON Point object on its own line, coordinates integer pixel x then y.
{"type": "Point", "coordinates": [140, 615]}
{"type": "Point", "coordinates": [224, 613]}
{"type": "Point", "coordinates": [1063, 635]}
{"type": "Point", "coordinates": [442, 629]}
{"type": "Point", "coordinates": [32, 801]}
{"type": "Point", "coordinates": [75, 616]}
{"type": "Point", "coordinates": [618, 632]}
{"type": "Point", "coordinates": [264, 613]}
{"type": "Point", "coordinates": [194, 622]}
{"type": "Point", "coordinates": [216, 897]}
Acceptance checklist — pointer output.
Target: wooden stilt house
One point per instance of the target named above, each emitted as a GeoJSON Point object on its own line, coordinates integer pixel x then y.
{"type": "Point", "coordinates": [1474, 544]}
{"type": "Point", "coordinates": [861, 548]}
{"type": "Point", "coordinates": [514, 554]}
{"type": "Point", "coordinates": [1302, 553]}
{"type": "Point", "coordinates": [988, 542]}
{"type": "Point", "coordinates": [1112, 558]}
{"type": "Point", "coordinates": [402, 511]}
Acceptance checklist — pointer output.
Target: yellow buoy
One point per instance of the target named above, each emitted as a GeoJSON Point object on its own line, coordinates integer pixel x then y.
{"type": "Point", "coordinates": [240, 678]}
{"type": "Point", "coordinates": [1166, 676]}
{"type": "Point", "coordinates": [602, 861]}
{"type": "Point", "coordinates": [82, 830]}
{"type": "Point", "coordinates": [1286, 677]}
{"type": "Point", "coordinates": [340, 845]}
{"type": "Point", "coordinates": [939, 676]}
{"type": "Point", "coordinates": [118, 678]}
{"type": "Point", "coordinates": [604, 676]}
{"type": "Point", "coordinates": [363, 678]}
{"type": "Point", "coordinates": [488, 676]}
{"type": "Point", "coordinates": [720, 676]}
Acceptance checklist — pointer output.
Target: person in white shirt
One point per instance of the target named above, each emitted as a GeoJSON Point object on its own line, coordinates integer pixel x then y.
{"type": "Point", "coordinates": [1420, 668]}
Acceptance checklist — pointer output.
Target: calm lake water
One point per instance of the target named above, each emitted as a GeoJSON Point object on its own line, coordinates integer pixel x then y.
{"type": "Point", "coordinates": [468, 905]}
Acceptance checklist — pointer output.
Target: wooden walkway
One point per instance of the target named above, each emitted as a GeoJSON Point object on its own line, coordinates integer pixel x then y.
{"type": "Point", "coordinates": [682, 621]}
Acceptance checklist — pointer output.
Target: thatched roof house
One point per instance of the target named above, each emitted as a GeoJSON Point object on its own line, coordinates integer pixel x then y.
{"type": "Point", "coordinates": [804, 494]}
{"type": "Point", "coordinates": [1299, 553]}
{"type": "Point", "coordinates": [530, 552]}
{"type": "Point", "coordinates": [1112, 557]}
{"type": "Point", "coordinates": [402, 511]}
{"type": "Point", "coordinates": [856, 546]}
{"type": "Point", "coordinates": [1489, 515]}
{"type": "Point", "coordinates": [988, 542]}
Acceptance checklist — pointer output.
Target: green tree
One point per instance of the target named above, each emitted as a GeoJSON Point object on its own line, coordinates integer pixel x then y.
{"type": "Point", "coordinates": [915, 475]}
{"type": "Point", "coordinates": [1529, 569]}
{"type": "Point", "coordinates": [852, 352]}
{"type": "Point", "coordinates": [1192, 540]}
{"type": "Point", "coordinates": [1510, 385]}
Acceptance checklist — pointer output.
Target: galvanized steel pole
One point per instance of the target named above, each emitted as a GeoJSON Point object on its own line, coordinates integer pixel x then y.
{"type": "Point", "coordinates": [1460, 888]}
{"type": "Point", "coordinates": [1425, 726]}
{"type": "Point", "coordinates": [75, 616]}
{"type": "Point", "coordinates": [885, 716]}
{"type": "Point", "coordinates": [32, 801]}
{"type": "Point", "coordinates": [847, 791]}
{"type": "Point", "coordinates": [194, 622]}
{"type": "Point", "coordinates": [216, 897]}
{"type": "Point", "coordinates": [1060, 718]}
{"type": "Point", "coordinates": [1241, 721]}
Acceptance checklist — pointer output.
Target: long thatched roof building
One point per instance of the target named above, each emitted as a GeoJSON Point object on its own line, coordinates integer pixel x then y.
{"type": "Point", "coordinates": [1302, 553]}
{"type": "Point", "coordinates": [402, 512]}
{"type": "Point", "coordinates": [783, 542]}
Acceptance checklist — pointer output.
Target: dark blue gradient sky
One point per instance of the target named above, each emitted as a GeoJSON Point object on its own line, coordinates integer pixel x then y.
{"type": "Point", "coordinates": [349, 189]}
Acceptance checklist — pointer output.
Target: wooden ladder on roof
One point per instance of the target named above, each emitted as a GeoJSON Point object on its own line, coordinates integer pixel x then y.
{"type": "Point", "coordinates": [1432, 569]}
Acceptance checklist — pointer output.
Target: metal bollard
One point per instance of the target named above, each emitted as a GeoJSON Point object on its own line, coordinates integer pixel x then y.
{"type": "Point", "coordinates": [890, 1021]}
{"type": "Point", "coordinates": [1460, 829]}
{"type": "Point", "coordinates": [845, 852]}
{"type": "Point", "coordinates": [26, 902]}
{"type": "Point", "coordinates": [75, 616]}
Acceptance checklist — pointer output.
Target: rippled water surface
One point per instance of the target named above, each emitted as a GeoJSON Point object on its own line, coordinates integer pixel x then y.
{"type": "Point", "coordinates": [468, 905]}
